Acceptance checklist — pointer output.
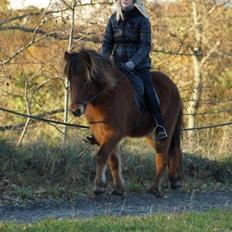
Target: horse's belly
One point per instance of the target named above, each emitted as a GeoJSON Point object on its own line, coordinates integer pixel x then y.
{"type": "Point", "coordinates": [141, 128]}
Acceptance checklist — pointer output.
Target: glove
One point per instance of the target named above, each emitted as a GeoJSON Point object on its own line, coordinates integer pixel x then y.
{"type": "Point", "coordinates": [129, 66]}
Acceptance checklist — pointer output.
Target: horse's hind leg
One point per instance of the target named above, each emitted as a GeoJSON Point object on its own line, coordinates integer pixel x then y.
{"type": "Point", "coordinates": [161, 162]}
{"type": "Point", "coordinates": [115, 167]}
{"type": "Point", "coordinates": [175, 167]}
{"type": "Point", "coordinates": [102, 156]}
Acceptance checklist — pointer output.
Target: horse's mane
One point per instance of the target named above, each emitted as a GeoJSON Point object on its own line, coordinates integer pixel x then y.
{"type": "Point", "coordinates": [95, 66]}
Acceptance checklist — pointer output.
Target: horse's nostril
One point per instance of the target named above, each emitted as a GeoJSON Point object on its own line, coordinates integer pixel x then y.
{"type": "Point", "coordinates": [78, 112]}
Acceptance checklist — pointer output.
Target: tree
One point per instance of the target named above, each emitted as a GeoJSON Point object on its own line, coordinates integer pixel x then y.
{"type": "Point", "coordinates": [191, 43]}
{"type": "Point", "coordinates": [3, 5]}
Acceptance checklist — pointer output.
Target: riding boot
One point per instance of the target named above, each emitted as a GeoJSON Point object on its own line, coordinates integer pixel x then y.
{"type": "Point", "coordinates": [160, 131]}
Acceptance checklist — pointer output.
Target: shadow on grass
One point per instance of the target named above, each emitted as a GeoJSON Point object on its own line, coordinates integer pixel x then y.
{"type": "Point", "coordinates": [40, 170]}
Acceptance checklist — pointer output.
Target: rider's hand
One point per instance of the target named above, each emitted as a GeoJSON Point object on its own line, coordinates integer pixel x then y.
{"type": "Point", "coordinates": [129, 66]}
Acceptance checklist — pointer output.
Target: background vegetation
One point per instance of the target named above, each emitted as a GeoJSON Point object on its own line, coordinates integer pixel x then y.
{"type": "Point", "coordinates": [191, 43]}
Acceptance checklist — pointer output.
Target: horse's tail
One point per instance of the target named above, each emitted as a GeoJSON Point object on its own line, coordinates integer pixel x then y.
{"type": "Point", "coordinates": [178, 132]}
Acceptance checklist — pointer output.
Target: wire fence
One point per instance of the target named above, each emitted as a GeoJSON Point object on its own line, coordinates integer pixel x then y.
{"type": "Point", "coordinates": [3, 128]}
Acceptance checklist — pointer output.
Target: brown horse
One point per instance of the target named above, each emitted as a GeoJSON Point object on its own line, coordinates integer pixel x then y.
{"type": "Point", "coordinates": [103, 93]}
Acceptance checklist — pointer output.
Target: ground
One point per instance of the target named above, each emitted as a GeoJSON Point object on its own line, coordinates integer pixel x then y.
{"type": "Point", "coordinates": [139, 204]}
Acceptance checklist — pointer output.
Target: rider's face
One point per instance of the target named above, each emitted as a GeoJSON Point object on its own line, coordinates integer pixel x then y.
{"type": "Point", "coordinates": [126, 3]}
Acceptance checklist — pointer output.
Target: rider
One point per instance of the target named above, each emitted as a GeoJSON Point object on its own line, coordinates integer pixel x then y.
{"type": "Point", "coordinates": [127, 39]}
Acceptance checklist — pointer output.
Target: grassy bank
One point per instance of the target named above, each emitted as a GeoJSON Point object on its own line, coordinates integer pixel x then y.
{"type": "Point", "coordinates": [192, 222]}
{"type": "Point", "coordinates": [40, 170]}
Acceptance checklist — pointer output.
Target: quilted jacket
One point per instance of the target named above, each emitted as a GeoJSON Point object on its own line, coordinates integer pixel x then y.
{"type": "Point", "coordinates": [128, 38]}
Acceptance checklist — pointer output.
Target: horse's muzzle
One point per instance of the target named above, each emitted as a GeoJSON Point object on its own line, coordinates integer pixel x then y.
{"type": "Point", "coordinates": [78, 111]}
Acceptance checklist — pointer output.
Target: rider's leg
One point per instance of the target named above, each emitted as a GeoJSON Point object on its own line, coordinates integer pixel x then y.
{"type": "Point", "coordinates": [153, 102]}
{"type": "Point", "coordinates": [91, 139]}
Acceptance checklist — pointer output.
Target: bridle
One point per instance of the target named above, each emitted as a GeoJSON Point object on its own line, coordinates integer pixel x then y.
{"type": "Point", "coordinates": [101, 92]}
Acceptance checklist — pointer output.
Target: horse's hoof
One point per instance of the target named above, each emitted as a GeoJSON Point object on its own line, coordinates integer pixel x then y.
{"type": "Point", "coordinates": [155, 192]}
{"type": "Point", "coordinates": [118, 193]}
{"type": "Point", "coordinates": [100, 190]}
{"type": "Point", "coordinates": [176, 185]}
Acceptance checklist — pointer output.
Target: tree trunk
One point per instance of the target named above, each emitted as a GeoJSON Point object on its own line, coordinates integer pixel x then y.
{"type": "Point", "coordinates": [197, 78]}
{"type": "Point", "coordinates": [66, 93]}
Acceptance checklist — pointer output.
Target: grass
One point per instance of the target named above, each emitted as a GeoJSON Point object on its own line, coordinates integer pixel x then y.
{"type": "Point", "coordinates": [215, 220]}
{"type": "Point", "coordinates": [41, 170]}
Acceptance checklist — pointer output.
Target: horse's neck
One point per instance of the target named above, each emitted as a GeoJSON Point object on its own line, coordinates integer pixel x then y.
{"type": "Point", "coordinates": [109, 101]}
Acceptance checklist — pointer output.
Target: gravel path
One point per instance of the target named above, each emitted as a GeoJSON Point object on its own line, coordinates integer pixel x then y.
{"type": "Point", "coordinates": [133, 204]}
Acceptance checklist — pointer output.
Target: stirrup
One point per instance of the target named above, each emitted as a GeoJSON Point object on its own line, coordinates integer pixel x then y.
{"type": "Point", "coordinates": [160, 133]}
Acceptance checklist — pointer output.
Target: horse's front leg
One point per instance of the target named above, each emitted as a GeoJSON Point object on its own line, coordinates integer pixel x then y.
{"type": "Point", "coordinates": [116, 171]}
{"type": "Point", "coordinates": [102, 156]}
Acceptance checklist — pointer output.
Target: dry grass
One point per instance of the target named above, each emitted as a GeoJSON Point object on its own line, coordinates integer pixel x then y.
{"type": "Point", "coordinates": [45, 168]}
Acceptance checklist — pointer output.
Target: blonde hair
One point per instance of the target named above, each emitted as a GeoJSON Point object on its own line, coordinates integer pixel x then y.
{"type": "Point", "coordinates": [117, 9]}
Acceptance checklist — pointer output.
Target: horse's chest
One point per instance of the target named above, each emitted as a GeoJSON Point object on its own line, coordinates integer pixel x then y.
{"type": "Point", "coordinates": [94, 115]}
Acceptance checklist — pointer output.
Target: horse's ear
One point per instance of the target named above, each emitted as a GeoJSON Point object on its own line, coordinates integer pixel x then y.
{"type": "Point", "coordinates": [66, 56]}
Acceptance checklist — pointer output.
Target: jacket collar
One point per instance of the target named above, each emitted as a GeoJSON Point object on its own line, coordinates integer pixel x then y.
{"type": "Point", "coordinates": [119, 13]}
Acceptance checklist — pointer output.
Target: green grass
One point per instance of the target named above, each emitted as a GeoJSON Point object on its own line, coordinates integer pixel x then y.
{"type": "Point", "coordinates": [212, 221]}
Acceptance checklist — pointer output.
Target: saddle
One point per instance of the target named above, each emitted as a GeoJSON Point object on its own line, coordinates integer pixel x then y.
{"type": "Point", "coordinates": [139, 92]}
{"type": "Point", "coordinates": [138, 89]}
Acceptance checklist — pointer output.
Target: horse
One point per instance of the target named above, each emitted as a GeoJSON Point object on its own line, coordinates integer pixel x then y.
{"type": "Point", "coordinates": [101, 92]}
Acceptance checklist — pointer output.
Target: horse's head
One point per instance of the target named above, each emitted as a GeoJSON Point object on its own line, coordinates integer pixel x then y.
{"type": "Point", "coordinates": [89, 74]}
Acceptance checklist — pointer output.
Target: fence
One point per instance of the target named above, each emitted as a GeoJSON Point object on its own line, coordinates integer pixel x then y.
{"type": "Point", "coordinates": [3, 128]}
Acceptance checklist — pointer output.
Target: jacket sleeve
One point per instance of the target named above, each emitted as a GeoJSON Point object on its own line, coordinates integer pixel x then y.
{"type": "Point", "coordinates": [108, 40]}
{"type": "Point", "coordinates": [145, 42]}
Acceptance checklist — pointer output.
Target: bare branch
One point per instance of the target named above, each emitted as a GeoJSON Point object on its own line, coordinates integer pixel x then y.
{"type": "Point", "coordinates": [4, 21]}
{"type": "Point", "coordinates": [35, 88]}
{"type": "Point", "coordinates": [57, 35]}
{"type": "Point", "coordinates": [28, 107]}
{"type": "Point", "coordinates": [66, 94]}
{"type": "Point", "coordinates": [213, 49]}
{"type": "Point", "coordinates": [175, 53]}
{"type": "Point", "coordinates": [23, 48]}
{"type": "Point", "coordinates": [67, 5]}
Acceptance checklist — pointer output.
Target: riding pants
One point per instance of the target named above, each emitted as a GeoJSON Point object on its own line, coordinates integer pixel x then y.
{"type": "Point", "coordinates": [151, 95]}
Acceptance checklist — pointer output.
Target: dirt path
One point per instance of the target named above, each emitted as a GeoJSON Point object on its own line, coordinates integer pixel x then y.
{"type": "Point", "coordinates": [134, 204]}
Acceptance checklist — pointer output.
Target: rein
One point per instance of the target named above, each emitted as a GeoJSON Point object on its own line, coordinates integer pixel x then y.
{"type": "Point", "coordinates": [104, 90]}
